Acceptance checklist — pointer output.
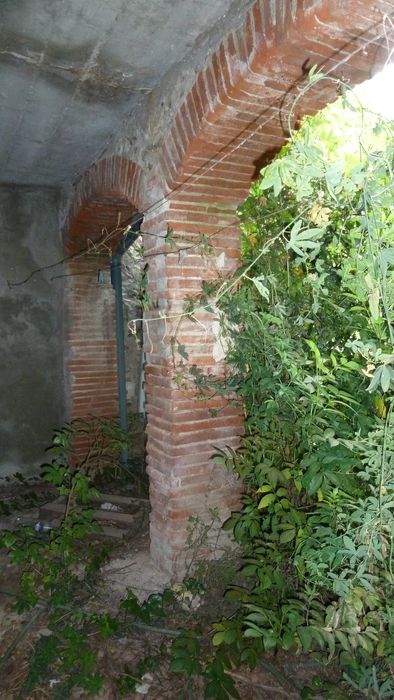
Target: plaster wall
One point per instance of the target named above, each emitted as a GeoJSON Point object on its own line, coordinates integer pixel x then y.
{"type": "Point", "coordinates": [31, 374]}
{"type": "Point", "coordinates": [73, 71]}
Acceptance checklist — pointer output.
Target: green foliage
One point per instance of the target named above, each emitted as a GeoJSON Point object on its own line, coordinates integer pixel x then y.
{"type": "Point", "coordinates": [105, 442]}
{"type": "Point", "coordinates": [150, 610]}
{"type": "Point", "coordinates": [52, 567]}
{"type": "Point", "coordinates": [57, 570]}
{"type": "Point", "coordinates": [44, 655]}
{"type": "Point", "coordinates": [309, 325]}
{"type": "Point", "coordinates": [219, 684]}
{"type": "Point", "coordinates": [185, 653]}
{"type": "Point", "coordinates": [188, 658]}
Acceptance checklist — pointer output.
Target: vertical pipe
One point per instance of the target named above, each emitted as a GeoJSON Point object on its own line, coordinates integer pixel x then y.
{"type": "Point", "coordinates": [141, 391]}
{"type": "Point", "coordinates": [116, 280]}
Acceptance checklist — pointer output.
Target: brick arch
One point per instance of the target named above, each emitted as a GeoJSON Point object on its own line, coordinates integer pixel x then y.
{"type": "Point", "coordinates": [232, 120]}
{"type": "Point", "coordinates": [237, 108]}
{"type": "Point", "coordinates": [104, 196]}
{"type": "Point", "coordinates": [105, 201]}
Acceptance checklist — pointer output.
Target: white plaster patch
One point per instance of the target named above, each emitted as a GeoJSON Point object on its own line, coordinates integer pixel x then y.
{"type": "Point", "coordinates": [221, 260]}
{"type": "Point", "coordinates": [220, 347]}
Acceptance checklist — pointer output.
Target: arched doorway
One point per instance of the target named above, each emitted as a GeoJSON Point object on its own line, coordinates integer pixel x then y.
{"type": "Point", "coordinates": [103, 223]}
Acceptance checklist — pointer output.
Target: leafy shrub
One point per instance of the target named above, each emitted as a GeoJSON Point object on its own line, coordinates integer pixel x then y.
{"type": "Point", "coordinates": [309, 322]}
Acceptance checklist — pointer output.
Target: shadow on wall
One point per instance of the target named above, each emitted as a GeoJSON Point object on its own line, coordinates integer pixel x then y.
{"type": "Point", "coordinates": [264, 160]}
{"type": "Point", "coordinates": [31, 376]}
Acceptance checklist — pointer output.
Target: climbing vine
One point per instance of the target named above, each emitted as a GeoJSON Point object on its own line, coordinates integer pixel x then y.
{"type": "Point", "coordinates": [309, 323]}
{"type": "Point", "coordinates": [307, 320]}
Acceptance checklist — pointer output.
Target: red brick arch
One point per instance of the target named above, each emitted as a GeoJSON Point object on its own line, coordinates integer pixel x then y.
{"type": "Point", "coordinates": [105, 195]}
{"type": "Point", "coordinates": [231, 122]}
{"type": "Point", "coordinates": [105, 200]}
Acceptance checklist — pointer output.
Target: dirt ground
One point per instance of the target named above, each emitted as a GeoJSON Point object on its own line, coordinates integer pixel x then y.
{"type": "Point", "coordinates": [276, 677]}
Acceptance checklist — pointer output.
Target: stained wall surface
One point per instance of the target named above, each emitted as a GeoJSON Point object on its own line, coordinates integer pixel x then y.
{"type": "Point", "coordinates": [71, 72]}
{"type": "Point", "coordinates": [31, 374]}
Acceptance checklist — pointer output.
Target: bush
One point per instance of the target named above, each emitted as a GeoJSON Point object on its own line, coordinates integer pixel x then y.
{"type": "Point", "coordinates": [311, 351]}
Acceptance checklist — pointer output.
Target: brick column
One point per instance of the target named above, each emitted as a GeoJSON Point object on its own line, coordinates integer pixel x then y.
{"type": "Point", "coordinates": [182, 432]}
{"type": "Point", "coordinates": [91, 361]}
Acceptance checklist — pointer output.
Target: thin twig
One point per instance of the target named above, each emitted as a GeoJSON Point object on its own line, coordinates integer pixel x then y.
{"type": "Point", "coordinates": [262, 686]}
{"type": "Point", "coordinates": [41, 608]}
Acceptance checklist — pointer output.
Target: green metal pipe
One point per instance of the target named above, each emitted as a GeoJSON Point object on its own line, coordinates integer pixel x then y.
{"type": "Point", "coordinates": [116, 280]}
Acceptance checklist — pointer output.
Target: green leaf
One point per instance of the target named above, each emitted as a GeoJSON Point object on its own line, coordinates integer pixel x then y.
{"type": "Point", "coordinates": [271, 177]}
{"type": "Point", "coordinates": [318, 358]}
{"type": "Point", "coordinates": [373, 301]}
{"type": "Point", "coordinates": [261, 288]}
{"type": "Point", "coordinates": [375, 381]}
{"type": "Point", "coordinates": [8, 539]}
{"type": "Point", "coordinates": [287, 536]}
{"type": "Point", "coordinates": [304, 239]}
{"type": "Point", "coordinates": [253, 632]}
{"type": "Point", "coordinates": [264, 489]}
{"type": "Point", "coordinates": [305, 637]}
{"type": "Point", "coordinates": [218, 639]}
{"type": "Point", "coordinates": [385, 378]}
{"type": "Point", "coordinates": [182, 351]}
{"type": "Point", "coordinates": [180, 665]}
{"type": "Point", "coordinates": [267, 500]}
{"type": "Point", "coordinates": [169, 237]}
{"type": "Point", "coordinates": [287, 640]}
{"type": "Point", "coordinates": [219, 459]}
{"type": "Point", "coordinates": [343, 640]}
{"type": "Point", "coordinates": [349, 544]}
{"type": "Point", "coordinates": [386, 259]}
{"type": "Point", "coordinates": [314, 75]}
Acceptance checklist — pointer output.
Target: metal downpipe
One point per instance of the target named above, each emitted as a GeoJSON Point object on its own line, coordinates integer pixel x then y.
{"type": "Point", "coordinates": [116, 280]}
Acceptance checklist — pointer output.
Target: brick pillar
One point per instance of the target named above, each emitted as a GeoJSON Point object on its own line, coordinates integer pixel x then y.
{"type": "Point", "coordinates": [91, 361]}
{"type": "Point", "coordinates": [182, 433]}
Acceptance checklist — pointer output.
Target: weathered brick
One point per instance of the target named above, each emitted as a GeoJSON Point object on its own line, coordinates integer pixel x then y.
{"type": "Point", "coordinates": [233, 119]}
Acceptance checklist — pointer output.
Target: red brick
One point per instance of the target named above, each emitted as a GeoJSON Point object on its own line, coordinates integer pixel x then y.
{"type": "Point", "coordinates": [181, 132]}
{"type": "Point", "coordinates": [186, 122]}
{"type": "Point", "coordinates": [210, 86]}
{"type": "Point", "coordinates": [197, 102]}
{"type": "Point", "coordinates": [202, 93]}
{"type": "Point", "coordinates": [232, 116]}
{"type": "Point", "coordinates": [249, 33]}
{"type": "Point", "coordinates": [194, 119]}
{"type": "Point", "coordinates": [240, 46]}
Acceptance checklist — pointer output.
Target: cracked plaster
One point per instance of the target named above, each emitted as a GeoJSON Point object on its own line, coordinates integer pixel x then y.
{"type": "Point", "coordinates": [86, 78]}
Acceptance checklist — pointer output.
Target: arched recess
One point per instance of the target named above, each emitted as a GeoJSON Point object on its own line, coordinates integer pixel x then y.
{"type": "Point", "coordinates": [106, 200]}
{"type": "Point", "coordinates": [232, 121]}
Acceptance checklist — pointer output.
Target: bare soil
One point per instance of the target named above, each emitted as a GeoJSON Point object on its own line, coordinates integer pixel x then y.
{"type": "Point", "coordinates": [276, 677]}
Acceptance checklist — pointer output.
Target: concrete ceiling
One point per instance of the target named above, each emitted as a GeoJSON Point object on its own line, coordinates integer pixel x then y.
{"type": "Point", "coordinates": [71, 71]}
